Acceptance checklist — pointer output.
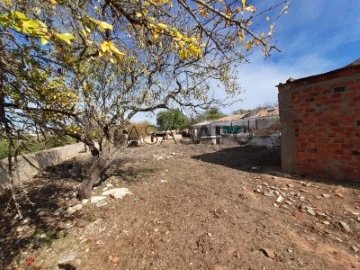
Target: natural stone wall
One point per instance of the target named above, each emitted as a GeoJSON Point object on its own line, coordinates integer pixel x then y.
{"type": "Point", "coordinates": [320, 125]}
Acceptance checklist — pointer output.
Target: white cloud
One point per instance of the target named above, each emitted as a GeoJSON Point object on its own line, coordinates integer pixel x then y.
{"type": "Point", "coordinates": [259, 79]}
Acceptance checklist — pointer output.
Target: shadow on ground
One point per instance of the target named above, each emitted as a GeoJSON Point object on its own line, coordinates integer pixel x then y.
{"type": "Point", "coordinates": [78, 170]}
{"type": "Point", "coordinates": [71, 169]}
{"type": "Point", "coordinates": [267, 161]}
{"type": "Point", "coordinates": [44, 204]}
{"type": "Point", "coordinates": [66, 266]}
{"type": "Point", "coordinates": [244, 158]}
{"type": "Point", "coordinates": [44, 219]}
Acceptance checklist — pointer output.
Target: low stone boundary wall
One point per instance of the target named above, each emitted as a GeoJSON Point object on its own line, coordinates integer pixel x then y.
{"type": "Point", "coordinates": [30, 164]}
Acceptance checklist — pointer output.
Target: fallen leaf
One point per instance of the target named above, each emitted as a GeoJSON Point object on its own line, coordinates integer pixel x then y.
{"type": "Point", "coordinates": [30, 260]}
{"type": "Point", "coordinates": [114, 260]}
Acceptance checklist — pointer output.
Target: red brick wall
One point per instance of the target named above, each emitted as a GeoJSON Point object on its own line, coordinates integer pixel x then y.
{"type": "Point", "coordinates": [327, 124]}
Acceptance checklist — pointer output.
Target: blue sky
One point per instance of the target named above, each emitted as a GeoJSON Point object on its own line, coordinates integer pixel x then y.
{"type": "Point", "coordinates": [315, 37]}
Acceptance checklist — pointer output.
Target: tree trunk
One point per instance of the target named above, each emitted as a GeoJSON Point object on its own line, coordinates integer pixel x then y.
{"type": "Point", "coordinates": [95, 171]}
{"type": "Point", "coordinates": [101, 162]}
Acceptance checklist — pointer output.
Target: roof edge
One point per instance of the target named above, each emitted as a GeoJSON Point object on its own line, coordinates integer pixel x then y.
{"type": "Point", "coordinates": [354, 65]}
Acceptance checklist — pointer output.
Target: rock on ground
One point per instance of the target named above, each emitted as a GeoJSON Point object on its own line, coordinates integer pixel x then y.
{"type": "Point", "coordinates": [117, 193]}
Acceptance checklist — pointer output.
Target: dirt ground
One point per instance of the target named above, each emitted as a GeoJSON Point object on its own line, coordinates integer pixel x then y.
{"type": "Point", "coordinates": [191, 207]}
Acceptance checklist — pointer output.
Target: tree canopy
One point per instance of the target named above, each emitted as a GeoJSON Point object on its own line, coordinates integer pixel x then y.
{"type": "Point", "coordinates": [79, 68]}
{"type": "Point", "coordinates": [172, 119]}
{"type": "Point", "coordinates": [209, 114]}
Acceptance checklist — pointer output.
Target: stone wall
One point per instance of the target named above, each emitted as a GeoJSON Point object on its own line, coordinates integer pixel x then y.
{"type": "Point", "coordinates": [320, 125]}
{"type": "Point", "coordinates": [30, 164]}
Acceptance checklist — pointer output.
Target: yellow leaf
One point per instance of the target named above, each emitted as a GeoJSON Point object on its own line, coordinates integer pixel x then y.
{"type": "Point", "coordinates": [44, 40]}
{"type": "Point", "coordinates": [53, 2]}
{"type": "Point", "coordinates": [176, 33]}
{"type": "Point", "coordinates": [105, 46]}
{"type": "Point", "coordinates": [42, 26]}
{"type": "Point", "coordinates": [155, 37]}
{"type": "Point", "coordinates": [250, 8]}
{"type": "Point", "coordinates": [162, 26]}
{"type": "Point", "coordinates": [8, 3]}
{"type": "Point", "coordinates": [204, 12]}
{"type": "Point", "coordinates": [89, 42]}
{"type": "Point", "coordinates": [16, 26]}
{"type": "Point", "coordinates": [138, 14]}
{"type": "Point", "coordinates": [4, 20]}
{"type": "Point", "coordinates": [104, 26]}
{"type": "Point", "coordinates": [195, 50]}
{"type": "Point", "coordinates": [241, 35]}
{"type": "Point", "coordinates": [182, 54]}
{"type": "Point", "coordinates": [19, 15]}
{"type": "Point", "coordinates": [246, 7]}
{"type": "Point", "coordinates": [109, 47]}
{"type": "Point", "coordinates": [115, 50]}
{"type": "Point", "coordinates": [67, 37]}
{"type": "Point", "coordinates": [84, 33]}
{"type": "Point", "coordinates": [33, 27]}
{"type": "Point", "coordinates": [26, 24]}
{"type": "Point", "coordinates": [244, 3]}
{"type": "Point", "coordinates": [249, 45]}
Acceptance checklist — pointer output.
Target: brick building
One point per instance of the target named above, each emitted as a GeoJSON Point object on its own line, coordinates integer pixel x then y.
{"type": "Point", "coordinates": [320, 124]}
